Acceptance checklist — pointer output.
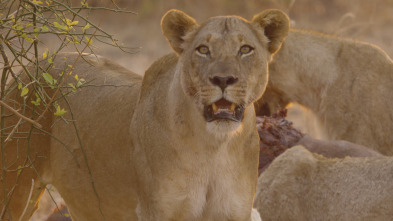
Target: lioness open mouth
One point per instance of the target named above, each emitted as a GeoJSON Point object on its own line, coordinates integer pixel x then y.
{"type": "Point", "coordinates": [223, 110]}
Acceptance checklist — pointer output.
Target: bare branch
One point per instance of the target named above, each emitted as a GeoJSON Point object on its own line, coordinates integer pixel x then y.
{"type": "Point", "coordinates": [13, 130]}
{"type": "Point", "coordinates": [28, 200]}
{"type": "Point", "coordinates": [20, 115]}
{"type": "Point", "coordinates": [7, 65]}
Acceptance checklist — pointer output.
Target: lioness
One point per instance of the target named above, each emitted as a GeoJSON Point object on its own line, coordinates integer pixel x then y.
{"type": "Point", "coordinates": [191, 152]}
{"type": "Point", "coordinates": [348, 84]}
{"type": "Point", "coordinates": [300, 185]}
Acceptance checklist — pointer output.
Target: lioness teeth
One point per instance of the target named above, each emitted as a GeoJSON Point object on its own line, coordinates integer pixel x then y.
{"type": "Point", "coordinates": [223, 110]}
{"type": "Point", "coordinates": [232, 108]}
{"type": "Point", "coordinates": [220, 109]}
{"type": "Point", "coordinates": [215, 108]}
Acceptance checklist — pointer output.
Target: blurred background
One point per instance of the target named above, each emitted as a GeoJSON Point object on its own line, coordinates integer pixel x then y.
{"type": "Point", "coordinates": [364, 20]}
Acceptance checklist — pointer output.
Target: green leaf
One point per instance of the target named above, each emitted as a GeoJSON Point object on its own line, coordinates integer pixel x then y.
{"type": "Point", "coordinates": [84, 3]}
{"type": "Point", "coordinates": [24, 92]}
{"type": "Point", "coordinates": [87, 26]}
{"type": "Point", "coordinates": [19, 170]}
{"type": "Point", "coordinates": [71, 23]}
{"type": "Point", "coordinates": [44, 28]}
{"type": "Point", "coordinates": [50, 60]}
{"type": "Point", "coordinates": [37, 100]}
{"type": "Point", "coordinates": [36, 32]}
{"type": "Point", "coordinates": [79, 83]}
{"type": "Point", "coordinates": [48, 78]}
{"type": "Point", "coordinates": [59, 111]}
{"type": "Point", "coordinates": [61, 26]}
{"type": "Point", "coordinates": [73, 87]}
{"type": "Point", "coordinates": [45, 54]}
{"type": "Point", "coordinates": [19, 86]}
{"type": "Point", "coordinates": [37, 2]}
{"type": "Point", "coordinates": [75, 40]}
{"type": "Point", "coordinates": [18, 27]}
{"type": "Point", "coordinates": [88, 40]}
{"type": "Point", "coordinates": [24, 35]}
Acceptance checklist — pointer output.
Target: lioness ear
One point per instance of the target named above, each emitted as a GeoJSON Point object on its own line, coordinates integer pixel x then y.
{"type": "Point", "coordinates": [175, 25]}
{"type": "Point", "coordinates": [276, 27]}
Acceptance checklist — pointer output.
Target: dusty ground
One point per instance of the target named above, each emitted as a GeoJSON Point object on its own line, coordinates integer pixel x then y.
{"type": "Point", "coordinates": [365, 20]}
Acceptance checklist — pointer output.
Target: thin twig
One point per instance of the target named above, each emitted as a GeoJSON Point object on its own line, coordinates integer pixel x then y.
{"type": "Point", "coordinates": [102, 8]}
{"type": "Point", "coordinates": [7, 202]}
{"type": "Point", "coordinates": [11, 193]}
{"type": "Point", "coordinates": [28, 200]}
{"type": "Point", "coordinates": [85, 158]}
{"type": "Point", "coordinates": [7, 65]}
{"type": "Point", "coordinates": [83, 18]}
{"type": "Point", "coordinates": [20, 115]}
{"type": "Point", "coordinates": [17, 59]}
{"type": "Point", "coordinates": [13, 130]}
{"type": "Point", "coordinates": [53, 200]}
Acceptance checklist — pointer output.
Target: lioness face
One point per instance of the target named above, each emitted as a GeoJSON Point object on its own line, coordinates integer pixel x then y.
{"type": "Point", "coordinates": [227, 69]}
{"type": "Point", "coordinates": [223, 62]}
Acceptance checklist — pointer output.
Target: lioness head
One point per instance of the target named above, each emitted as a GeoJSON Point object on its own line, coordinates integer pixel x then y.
{"type": "Point", "coordinates": [224, 61]}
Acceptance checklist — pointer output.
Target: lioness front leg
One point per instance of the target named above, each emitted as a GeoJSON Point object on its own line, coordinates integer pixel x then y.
{"type": "Point", "coordinates": [255, 215]}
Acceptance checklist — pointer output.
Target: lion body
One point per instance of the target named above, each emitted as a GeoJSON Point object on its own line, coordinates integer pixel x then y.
{"type": "Point", "coordinates": [346, 83]}
{"type": "Point", "coordinates": [104, 141]}
{"type": "Point", "coordinates": [306, 186]}
{"type": "Point", "coordinates": [336, 148]}
{"type": "Point", "coordinates": [179, 144]}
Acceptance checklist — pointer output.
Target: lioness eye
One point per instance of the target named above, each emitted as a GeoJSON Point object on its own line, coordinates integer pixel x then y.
{"type": "Point", "coordinates": [245, 49]}
{"type": "Point", "coordinates": [203, 49]}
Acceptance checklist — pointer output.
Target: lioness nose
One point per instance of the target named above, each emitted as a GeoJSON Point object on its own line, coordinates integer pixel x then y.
{"type": "Point", "coordinates": [223, 82]}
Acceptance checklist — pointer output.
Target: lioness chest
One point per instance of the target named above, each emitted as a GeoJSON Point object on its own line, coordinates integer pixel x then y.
{"type": "Point", "coordinates": [208, 186]}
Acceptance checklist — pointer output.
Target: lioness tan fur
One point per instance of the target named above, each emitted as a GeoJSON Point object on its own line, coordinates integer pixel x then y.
{"type": "Point", "coordinates": [348, 84]}
{"type": "Point", "coordinates": [181, 144]}
{"type": "Point", "coordinates": [300, 185]}
{"type": "Point", "coordinates": [336, 148]}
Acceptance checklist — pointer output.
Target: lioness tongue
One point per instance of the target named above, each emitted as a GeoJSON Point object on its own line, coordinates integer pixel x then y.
{"type": "Point", "coordinates": [223, 105]}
